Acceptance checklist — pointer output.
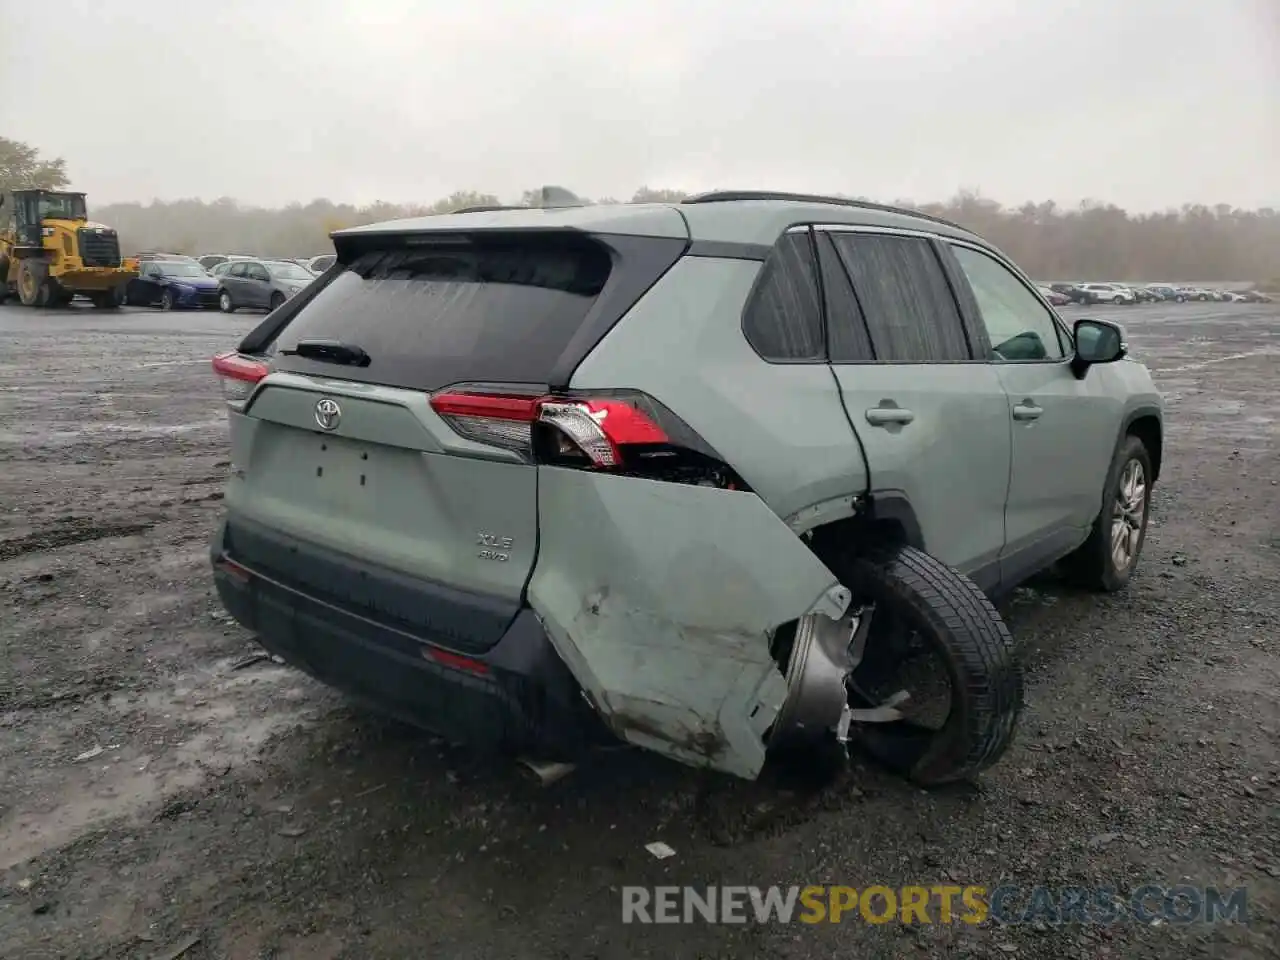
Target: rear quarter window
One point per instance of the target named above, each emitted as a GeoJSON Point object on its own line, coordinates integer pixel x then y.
{"type": "Point", "coordinates": [783, 319]}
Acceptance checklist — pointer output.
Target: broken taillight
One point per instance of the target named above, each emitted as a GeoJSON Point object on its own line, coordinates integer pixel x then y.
{"type": "Point", "coordinates": [595, 430]}
{"type": "Point", "coordinates": [238, 375]}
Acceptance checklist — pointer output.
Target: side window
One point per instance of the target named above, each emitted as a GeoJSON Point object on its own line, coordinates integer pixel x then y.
{"type": "Point", "coordinates": [1019, 325]}
{"type": "Point", "coordinates": [904, 297]}
{"type": "Point", "coordinates": [258, 272]}
{"type": "Point", "coordinates": [237, 270]}
{"type": "Point", "coordinates": [848, 340]}
{"type": "Point", "coordinates": [783, 319]}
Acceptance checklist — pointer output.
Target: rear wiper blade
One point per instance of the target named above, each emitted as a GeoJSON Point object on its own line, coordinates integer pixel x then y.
{"type": "Point", "coordinates": [330, 351]}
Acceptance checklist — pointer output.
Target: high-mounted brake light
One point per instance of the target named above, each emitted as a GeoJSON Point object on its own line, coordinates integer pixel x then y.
{"type": "Point", "coordinates": [238, 375]}
{"type": "Point", "coordinates": [596, 428]}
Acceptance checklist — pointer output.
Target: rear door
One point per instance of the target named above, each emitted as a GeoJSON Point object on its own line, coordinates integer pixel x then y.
{"type": "Point", "coordinates": [933, 420]}
{"type": "Point", "coordinates": [423, 520]}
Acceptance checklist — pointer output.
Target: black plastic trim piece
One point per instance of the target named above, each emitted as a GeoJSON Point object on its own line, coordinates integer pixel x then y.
{"type": "Point", "coordinates": [410, 607]}
{"type": "Point", "coordinates": [638, 263]}
{"type": "Point", "coordinates": [1132, 417]}
{"type": "Point", "coordinates": [894, 505]}
{"type": "Point", "coordinates": [728, 250]}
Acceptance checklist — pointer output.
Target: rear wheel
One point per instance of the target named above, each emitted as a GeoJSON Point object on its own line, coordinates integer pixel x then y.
{"type": "Point", "coordinates": [225, 303]}
{"type": "Point", "coordinates": [939, 666]}
{"type": "Point", "coordinates": [1107, 559]}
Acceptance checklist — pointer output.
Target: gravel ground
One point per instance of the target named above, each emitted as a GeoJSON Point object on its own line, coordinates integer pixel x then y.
{"type": "Point", "coordinates": [158, 793]}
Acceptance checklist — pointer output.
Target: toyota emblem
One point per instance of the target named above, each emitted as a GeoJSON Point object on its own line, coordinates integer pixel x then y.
{"type": "Point", "coordinates": [328, 413]}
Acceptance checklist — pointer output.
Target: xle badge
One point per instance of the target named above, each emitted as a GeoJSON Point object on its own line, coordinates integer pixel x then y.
{"type": "Point", "coordinates": [494, 547]}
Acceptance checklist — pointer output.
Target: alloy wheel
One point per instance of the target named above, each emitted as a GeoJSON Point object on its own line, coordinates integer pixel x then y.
{"type": "Point", "coordinates": [1129, 516]}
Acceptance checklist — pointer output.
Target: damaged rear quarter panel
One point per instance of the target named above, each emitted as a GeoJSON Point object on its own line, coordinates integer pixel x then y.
{"type": "Point", "coordinates": [661, 598]}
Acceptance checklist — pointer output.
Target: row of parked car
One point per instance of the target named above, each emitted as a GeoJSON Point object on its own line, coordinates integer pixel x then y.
{"type": "Point", "coordinates": [226, 281]}
{"type": "Point", "coordinates": [1062, 294]}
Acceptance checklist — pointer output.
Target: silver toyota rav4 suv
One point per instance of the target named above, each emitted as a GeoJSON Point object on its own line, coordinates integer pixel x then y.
{"type": "Point", "coordinates": [706, 477]}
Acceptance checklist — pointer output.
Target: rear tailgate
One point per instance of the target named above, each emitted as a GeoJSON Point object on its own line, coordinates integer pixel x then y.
{"type": "Point", "coordinates": [350, 488]}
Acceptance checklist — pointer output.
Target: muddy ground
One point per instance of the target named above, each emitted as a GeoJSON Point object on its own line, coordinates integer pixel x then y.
{"type": "Point", "coordinates": [156, 793]}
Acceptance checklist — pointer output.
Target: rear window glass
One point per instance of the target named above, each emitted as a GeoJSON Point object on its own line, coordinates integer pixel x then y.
{"type": "Point", "coordinates": [491, 310]}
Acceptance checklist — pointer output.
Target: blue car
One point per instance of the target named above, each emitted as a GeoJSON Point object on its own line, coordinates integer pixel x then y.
{"type": "Point", "coordinates": [172, 284]}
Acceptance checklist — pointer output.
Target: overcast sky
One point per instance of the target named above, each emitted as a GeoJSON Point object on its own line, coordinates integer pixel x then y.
{"type": "Point", "coordinates": [1145, 103]}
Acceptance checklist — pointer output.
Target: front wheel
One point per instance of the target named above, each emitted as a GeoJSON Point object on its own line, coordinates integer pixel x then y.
{"type": "Point", "coordinates": [1106, 560]}
{"type": "Point", "coordinates": [1179, 299]}
{"type": "Point", "coordinates": [167, 300]}
{"type": "Point", "coordinates": [225, 303]}
{"type": "Point", "coordinates": [277, 301]}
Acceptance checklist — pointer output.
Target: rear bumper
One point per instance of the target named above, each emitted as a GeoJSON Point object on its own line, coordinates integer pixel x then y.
{"type": "Point", "coordinates": [518, 696]}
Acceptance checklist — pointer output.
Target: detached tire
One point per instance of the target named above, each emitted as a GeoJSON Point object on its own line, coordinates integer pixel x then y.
{"type": "Point", "coordinates": [957, 621]}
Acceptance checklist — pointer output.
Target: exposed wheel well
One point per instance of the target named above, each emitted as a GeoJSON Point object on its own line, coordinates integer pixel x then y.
{"type": "Point", "coordinates": [1147, 429]}
{"type": "Point", "coordinates": [883, 523]}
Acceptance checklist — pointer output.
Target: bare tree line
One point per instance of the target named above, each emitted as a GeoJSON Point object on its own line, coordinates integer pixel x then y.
{"type": "Point", "coordinates": [1093, 241]}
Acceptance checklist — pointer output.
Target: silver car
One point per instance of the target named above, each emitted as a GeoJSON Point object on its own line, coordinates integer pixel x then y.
{"type": "Point", "coordinates": [260, 284]}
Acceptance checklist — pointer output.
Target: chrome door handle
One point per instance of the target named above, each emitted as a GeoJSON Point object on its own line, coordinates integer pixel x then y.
{"type": "Point", "coordinates": [882, 416]}
{"type": "Point", "coordinates": [1026, 410]}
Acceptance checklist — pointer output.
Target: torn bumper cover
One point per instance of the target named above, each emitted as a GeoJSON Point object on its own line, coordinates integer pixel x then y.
{"type": "Point", "coordinates": [662, 599]}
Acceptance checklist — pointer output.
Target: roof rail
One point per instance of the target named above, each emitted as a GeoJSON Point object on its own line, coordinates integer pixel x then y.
{"type": "Point", "coordinates": [486, 208]}
{"type": "Point", "coordinates": [718, 196]}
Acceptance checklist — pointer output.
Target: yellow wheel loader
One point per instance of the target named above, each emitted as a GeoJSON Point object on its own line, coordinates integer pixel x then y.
{"type": "Point", "coordinates": [50, 251]}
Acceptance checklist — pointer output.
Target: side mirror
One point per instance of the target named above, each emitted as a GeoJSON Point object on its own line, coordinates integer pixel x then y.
{"type": "Point", "coordinates": [1097, 341]}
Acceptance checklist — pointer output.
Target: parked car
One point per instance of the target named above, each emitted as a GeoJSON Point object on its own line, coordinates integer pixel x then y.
{"type": "Point", "coordinates": [260, 284]}
{"type": "Point", "coordinates": [171, 283]}
{"type": "Point", "coordinates": [211, 260]}
{"type": "Point", "coordinates": [1143, 294]}
{"type": "Point", "coordinates": [1071, 291]}
{"type": "Point", "coordinates": [160, 255]}
{"type": "Point", "coordinates": [320, 264]}
{"type": "Point", "coordinates": [1105, 293]}
{"type": "Point", "coordinates": [1254, 296]}
{"type": "Point", "coordinates": [1054, 297]}
{"type": "Point", "coordinates": [545, 569]}
{"type": "Point", "coordinates": [1165, 292]}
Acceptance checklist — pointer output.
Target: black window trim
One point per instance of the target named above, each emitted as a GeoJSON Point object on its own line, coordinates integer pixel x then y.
{"type": "Point", "coordinates": [1066, 341]}
{"type": "Point", "coordinates": [973, 340]}
{"type": "Point", "coordinates": [759, 282]}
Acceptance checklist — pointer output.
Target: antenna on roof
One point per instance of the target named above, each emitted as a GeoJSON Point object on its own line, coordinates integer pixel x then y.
{"type": "Point", "coordinates": [559, 197]}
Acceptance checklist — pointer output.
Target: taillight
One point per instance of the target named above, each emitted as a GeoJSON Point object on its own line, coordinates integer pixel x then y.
{"type": "Point", "coordinates": [238, 375]}
{"type": "Point", "coordinates": [601, 430]}
{"type": "Point", "coordinates": [622, 431]}
{"type": "Point", "coordinates": [595, 430]}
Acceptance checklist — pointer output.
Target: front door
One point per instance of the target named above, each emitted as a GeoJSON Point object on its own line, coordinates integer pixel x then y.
{"type": "Point", "coordinates": [932, 420]}
{"type": "Point", "coordinates": [257, 286]}
{"type": "Point", "coordinates": [1064, 429]}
